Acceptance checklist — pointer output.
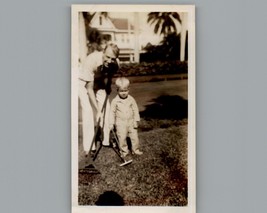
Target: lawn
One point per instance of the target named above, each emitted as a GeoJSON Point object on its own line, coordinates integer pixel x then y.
{"type": "Point", "coordinates": [159, 176]}
{"type": "Point", "coordinates": [156, 178]}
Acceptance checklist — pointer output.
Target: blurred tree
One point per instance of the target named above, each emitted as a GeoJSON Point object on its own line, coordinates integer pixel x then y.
{"type": "Point", "coordinates": [168, 49]}
{"type": "Point", "coordinates": [165, 24]}
{"type": "Point", "coordinates": [170, 46]}
{"type": "Point", "coordinates": [93, 36]}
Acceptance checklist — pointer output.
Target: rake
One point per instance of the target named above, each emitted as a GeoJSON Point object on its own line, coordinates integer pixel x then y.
{"type": "Point", "coordinates": [115, 147]}
{"type": "Point", "coordinates": [89, 168]}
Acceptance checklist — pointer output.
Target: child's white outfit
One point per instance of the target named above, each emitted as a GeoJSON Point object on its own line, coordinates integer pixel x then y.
{"type": "Point", "coordinates": [124, 114]}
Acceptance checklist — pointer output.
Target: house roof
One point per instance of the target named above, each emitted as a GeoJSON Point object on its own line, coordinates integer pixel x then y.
{"type": "Point", "coordinates": [121, 24]}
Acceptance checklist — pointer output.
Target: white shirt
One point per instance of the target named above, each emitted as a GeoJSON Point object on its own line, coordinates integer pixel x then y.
{"type": "Point", "coordinates": [90, 65]}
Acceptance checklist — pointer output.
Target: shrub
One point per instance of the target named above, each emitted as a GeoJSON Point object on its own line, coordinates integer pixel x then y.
{"type": "Point", "coordinates": [153, 68]}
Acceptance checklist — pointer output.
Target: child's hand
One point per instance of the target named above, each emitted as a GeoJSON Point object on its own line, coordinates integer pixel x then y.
{"type": "Point", "coordinates": [111, 127]}
{"type": "Point", "coordinates": [98, 116]}
{"type": "Point", "coordinates": [136, 124]}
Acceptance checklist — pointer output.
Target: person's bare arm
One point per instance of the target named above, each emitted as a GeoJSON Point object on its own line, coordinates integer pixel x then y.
{"type": "Point", "coordinates": [92, 98]}
{"type": "Point", "coordinates": [112, 115]}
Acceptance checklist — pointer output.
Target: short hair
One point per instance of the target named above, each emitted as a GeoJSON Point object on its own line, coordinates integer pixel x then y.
{"type": "Point", "coordinates": [122, 82]}
{"type": "Point", "coordinates": [114, 48]}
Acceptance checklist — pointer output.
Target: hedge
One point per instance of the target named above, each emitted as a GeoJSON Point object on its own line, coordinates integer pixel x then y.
{"type": "Point", "coordinates": [155, 68]}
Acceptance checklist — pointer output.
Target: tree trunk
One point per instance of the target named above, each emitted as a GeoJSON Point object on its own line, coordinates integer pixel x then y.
{"type": "Point", "coordinates": [82, 38]}
{"type": "Point", "coordinates": [136, 37]}
{"type": "Point", "coordinates": [183, 36]}
{"type": "Point", "coordinates": [130, 38]}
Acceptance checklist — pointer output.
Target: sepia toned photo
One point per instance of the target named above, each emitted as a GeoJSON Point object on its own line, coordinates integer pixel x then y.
{"type": "Point", "coordinates": [133, 108]}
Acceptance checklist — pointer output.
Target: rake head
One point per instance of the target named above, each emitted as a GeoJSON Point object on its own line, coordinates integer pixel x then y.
{"type": "Point", "coordinates": [89, 169]}
{"type": "Point", "coordinates": [126, 163]}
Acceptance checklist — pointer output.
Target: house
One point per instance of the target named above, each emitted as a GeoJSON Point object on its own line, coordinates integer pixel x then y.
{"type": "Point", "coordinates": [116, 30]}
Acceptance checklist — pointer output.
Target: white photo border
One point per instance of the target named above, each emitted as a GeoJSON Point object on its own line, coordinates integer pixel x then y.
{"type": "Point", "coordinates": [190, 9]}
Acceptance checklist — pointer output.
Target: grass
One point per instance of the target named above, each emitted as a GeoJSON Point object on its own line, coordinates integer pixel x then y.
{"type": "Point", "coordinates": [156, 178]}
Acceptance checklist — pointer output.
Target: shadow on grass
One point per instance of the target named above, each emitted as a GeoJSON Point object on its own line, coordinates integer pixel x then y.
{"type": "Point", "coordinates": [164, 112]}
{"type": "Point", "coordinates": [166, 107]}
{"type": "Point", "coordinates": [110, 198]}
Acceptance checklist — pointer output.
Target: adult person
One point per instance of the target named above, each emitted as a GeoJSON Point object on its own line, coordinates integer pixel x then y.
{"type": "Point", "coordinates": [95, 79]}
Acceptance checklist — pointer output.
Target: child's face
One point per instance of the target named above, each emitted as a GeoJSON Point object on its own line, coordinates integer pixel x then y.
{"type": "Point", "coordinates": [123, 92]}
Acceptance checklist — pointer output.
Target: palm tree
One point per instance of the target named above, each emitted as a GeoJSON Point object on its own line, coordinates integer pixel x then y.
{"type": "Point", "coordinates": [170, 46]}
{"type": "Point", "coordinates": [165, 24]}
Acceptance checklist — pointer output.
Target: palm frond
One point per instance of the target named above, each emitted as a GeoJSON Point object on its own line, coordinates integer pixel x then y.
{"type": "Point", "coordinates": [157, 26]}
{"type": "Point", "coordinates": [152, 17]}
{"type": "Point", "coordinates": [177, 17]}
{"type": "Point", "coordinates": [164, 22]}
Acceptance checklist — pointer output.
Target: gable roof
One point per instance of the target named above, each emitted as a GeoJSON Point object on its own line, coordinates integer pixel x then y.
{"type": "Point", "coordinates": [106, 21]}
{"type": "Point", "coordinates": [121, 24]}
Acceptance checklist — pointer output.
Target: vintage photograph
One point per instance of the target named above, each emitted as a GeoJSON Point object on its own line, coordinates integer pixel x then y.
{"type": "Point", "coordinates": [133, 108]}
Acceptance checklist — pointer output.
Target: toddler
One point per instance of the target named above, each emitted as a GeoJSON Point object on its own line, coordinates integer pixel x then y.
{"type": "Point", "coordinates": [124, 114]}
